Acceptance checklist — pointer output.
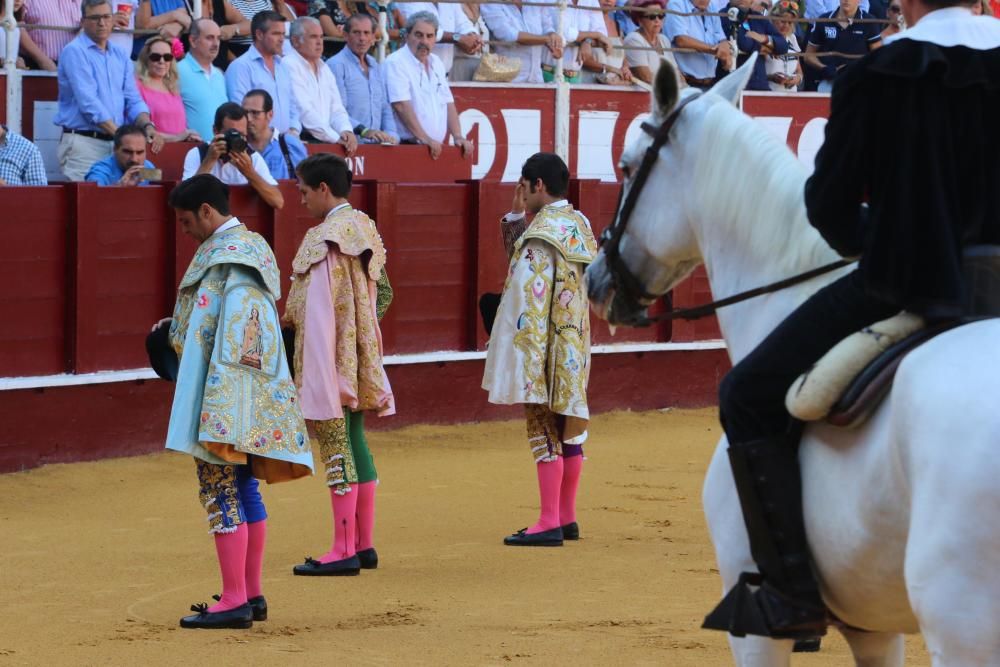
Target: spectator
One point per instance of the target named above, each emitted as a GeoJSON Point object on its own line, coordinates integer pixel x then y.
{"type": "Point", "coordinates": [361, 82]}
{"type": "Point", "coordinates": [534, 30]}
{"type": "Point", "coordinates": [817, 8]}
{"type": "Point", "coordinates": [20, 160]}
{"type": "Point", "coordinates": [419, 91]}
{"type": "Point", "coordinates": [65, 13]}
{"type": "Point", "coordinates": [126, 163]}
{"type": "Point", "coordinates": [125, 13]}
{"type": "Point", "coordinates": [97, 94]}
{"type": "Point", "coordinates": [600, 66]}
{"type": "Point", "coordinates": [894, 12]}
{"type": "Point", "coordinates": [156, 79]}
{"type": "Point", "coordinates": [784, 72]}
{"type": "Point", "coordinates": [230, 159]}
{"type": "Point", "coordinates": [701, 33]}
{"type": "Point", "coordinates": [262, 67]}
{"type": "Point", "coordinates": [982, 8]}
{"type": "Point", "coordinates": [281, 152]}
{"type": "Point", "coordinates": [332, 16]}
{"type": "Point", "coordinates": [32, 56]}
{"type": "Point", "coordinates": [642, 63]}
{"type": "Point", "coordinates": [579, 24]}
{"type": "Point", "coordinates": [203, 86]}
{"type": "Point", "coordinates": [394, 21]}
{"type": "Point", "coordinates": [842, 36]}
{"type": "Point", "coordinates": [170, 17]}
{"type": "Point", "coordinates": [323, 115]}
{"type": "Point", "coordinates": [238, 31]}
{"type": "Point", "coordinates": [455, 29]}
{"type": "Point", "coordinates": [754, 33]}
{"type": "Point", "coordinates": [626, 26]}
{"type": "Point", "coordinates": [465, 65]}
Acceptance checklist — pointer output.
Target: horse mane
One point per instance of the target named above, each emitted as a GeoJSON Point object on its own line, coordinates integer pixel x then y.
{"type": "Point", "coordinates": [749, 186]}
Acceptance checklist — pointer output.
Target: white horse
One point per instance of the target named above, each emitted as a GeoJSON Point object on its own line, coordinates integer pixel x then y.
{"type": "Point", "coordinates": [903, 513]}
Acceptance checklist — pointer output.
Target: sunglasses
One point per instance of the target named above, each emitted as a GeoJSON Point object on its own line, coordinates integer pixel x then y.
{"type": "Point", "coordinates": [655, 17]}
{"type": "Point", "coordinates": [895, 9]}
{"type": "Point", "coordinates": [157, 57]}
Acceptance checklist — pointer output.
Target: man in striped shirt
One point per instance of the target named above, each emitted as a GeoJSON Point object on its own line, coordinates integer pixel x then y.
{"type": "Point", "coordinates": [53, 12]}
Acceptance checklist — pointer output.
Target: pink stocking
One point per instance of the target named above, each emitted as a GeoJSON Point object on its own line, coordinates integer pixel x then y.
{"type": "Point", "coordinates": [366, 515]}
{"type": "Point", "coordinates": [550, 476]}
{"type": "Point", "coordinates": [257, 533]}
{"type": "Point", "coordinates": [231, 549]}
{"type": "Point", "coordinates": [572, 466]}
{"type": "Point", "coordinates": [344, 524]}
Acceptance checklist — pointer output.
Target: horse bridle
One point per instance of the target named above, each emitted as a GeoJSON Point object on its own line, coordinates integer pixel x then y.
{"type": "Point", "coordinates": [627, 286]}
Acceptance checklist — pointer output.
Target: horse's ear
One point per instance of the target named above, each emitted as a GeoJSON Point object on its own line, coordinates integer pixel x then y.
{"type": "Point", "coordinates": [665, 89]}
{"type": "Point", "coordinates": [732, 85]}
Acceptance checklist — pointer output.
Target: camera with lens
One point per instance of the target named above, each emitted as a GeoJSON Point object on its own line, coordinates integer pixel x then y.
{"type": "Point", "coordinates": [235, 143]}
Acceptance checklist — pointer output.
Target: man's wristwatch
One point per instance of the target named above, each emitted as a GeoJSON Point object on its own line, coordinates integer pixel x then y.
{"type": "Point", "coordinates": [454, 37]}
{"type": "Point", "coordinates": [147, 126]}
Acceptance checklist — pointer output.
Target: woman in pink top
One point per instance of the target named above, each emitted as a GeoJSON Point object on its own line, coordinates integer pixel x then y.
{"type": "Point", "coordinates": [157, 80]}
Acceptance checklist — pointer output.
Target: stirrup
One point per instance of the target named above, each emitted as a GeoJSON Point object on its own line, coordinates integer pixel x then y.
{"type": "Point", "coordinates": [765, 612]}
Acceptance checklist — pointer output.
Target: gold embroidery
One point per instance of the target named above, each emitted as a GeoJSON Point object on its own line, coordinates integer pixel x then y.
{"type": "Point", "coordinates": [543, 432]}
{"type": "Point", "coordinates": [219, 496]}
{"type": "Point", "coordinates": [335, 453]}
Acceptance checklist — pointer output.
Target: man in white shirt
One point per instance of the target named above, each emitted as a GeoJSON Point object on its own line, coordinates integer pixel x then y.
{"type": "Point", "coordinates": [321, 110]}
{"type": "Point", "coordinates": [233, 161]}
{"type": "Point", "coordinates": [534, 31]}
{"type": "Point", "coordinates": [419, 92]}
{"type": "Point", "coordinates": [454, 29]}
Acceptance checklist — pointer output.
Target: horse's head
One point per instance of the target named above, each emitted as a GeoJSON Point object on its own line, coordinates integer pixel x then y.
{"type": "Point", "coordinates": [651, 245]}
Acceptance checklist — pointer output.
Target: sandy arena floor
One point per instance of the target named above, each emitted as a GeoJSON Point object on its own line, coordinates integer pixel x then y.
{"type": "Point", "coordinates": [99, 560]}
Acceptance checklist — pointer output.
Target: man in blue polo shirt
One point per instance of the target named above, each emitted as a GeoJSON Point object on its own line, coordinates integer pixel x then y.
{"type": "Point", "coordinates": [203, 85]}
{"type": "Point", "coordinates": [704, 35]}
{"type": "Point", "coordinates": [97, 94]}
{"type": "Point", "coordinates": [842, 36]}
{"type": "Point", "coordinates": [125, 164]}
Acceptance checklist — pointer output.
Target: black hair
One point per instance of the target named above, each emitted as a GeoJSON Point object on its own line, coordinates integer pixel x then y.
{"type": "Point", "coordinates": [326, 168]}
{"type": "Point", "coordinates": [551, 169]}
{"type": "Point", "coordinates": [125, 131]}
{"type": "Point", "coordinates": [262, 21]}
{"type": "Point", "coordinates": [260, 92]}
{"type": "Point", "coordinates": [230, 110]}
{"type": "Point", "coordinates": [189, 195]}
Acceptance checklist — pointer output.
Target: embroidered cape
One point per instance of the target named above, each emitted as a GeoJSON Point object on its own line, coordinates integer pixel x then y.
{"type": "Point", "coordinates": [333, 306]}
{"type": "Point", "coordinates": [235, 401]}
{"type": "Point", "coordinates": [539, 351]}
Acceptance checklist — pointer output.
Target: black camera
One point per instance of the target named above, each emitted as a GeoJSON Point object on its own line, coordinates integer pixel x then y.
{"type": "Point", "coordinates": [235, 143]}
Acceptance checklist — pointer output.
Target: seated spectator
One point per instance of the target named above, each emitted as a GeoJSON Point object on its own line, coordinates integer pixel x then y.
{"type": "Point", "coordinates": [702, 34]}
{"type": "Point", "coordinates": [361, 82]}
{"type": "Point", "coordinates": [465, 65]}
{"type": "Point", "coordinates": [642, 63]}
{"type": "Point", "coordinates": [237, 29]}
{"type": "Point", "coordinates": [157, 81]}
{"type": "Point", "coordinates": [626, 25]}
{"type": "Point", "coordinates": [332, 16]}
{"type": "Point", "coordinates": [897, 24]}
{"type": "Point", "coordinates": [230, 158]}
{"type": "Point", "coordinates": [843, 36]}
{"type": "Point", "coordinates": [170, 17]}
{"type": "Point", "coordinates": [784, 72]}
{"type": "Point", "coordinates": [281, 152]}
{"type": "Point", "coordinates": [601, 66]}
{"type": "Point", "coordinates": [97, 95]}
{"type": "Point", "coordinates": [124, 21]}
{"type": "Point", "coordinates": [754, 33]}
{"type": "Point", "coordinates": [203, 85]}
{"type": "Point", "coordinates": [323, 115]}
{"type": "Point", "coordinates": [20, 160]}
{"type": "Point", "coordinates": [394, 21]}
{"type": "Point", "coordinates": [419, 91]}
{"type": "Point", "coordinates": [454, 29]}
{"type": "Point", "coordinates": [126, 163]}
{"type": "Point", "coordinates": [534, 31]}
{"type": "Point", "coordinates": [30, 54]}
{"type": "Point", "coordinates": [262, 67]}
{"type": "Point", "coordinates": [65, 13]}
{"type": "Point", "coordinates": [579, 24]}
{"type": "Point", "coordinates": [817, 8]}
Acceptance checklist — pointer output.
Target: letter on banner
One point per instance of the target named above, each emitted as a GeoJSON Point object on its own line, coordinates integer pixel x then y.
{"type": "Point", "coordinates": [809, 142]}
{"type": "Point", "coordinates": [486, 142]}
{"type": "Point", "coordinates": [524, 130]}
{"type": "Point", "coordinates": [593, 145]}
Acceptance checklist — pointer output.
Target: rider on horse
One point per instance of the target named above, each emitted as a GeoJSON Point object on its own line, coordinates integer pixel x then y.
{"type": "Point", "coordinates": [937, 86]}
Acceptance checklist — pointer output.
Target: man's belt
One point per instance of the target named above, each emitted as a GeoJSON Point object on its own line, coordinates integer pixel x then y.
{"type": "Point", "coordinates": [93, 134]}
{"type": "Point", "coordinates": [698, 83]}
{"type": "Point", "coordinates": [567, 73]}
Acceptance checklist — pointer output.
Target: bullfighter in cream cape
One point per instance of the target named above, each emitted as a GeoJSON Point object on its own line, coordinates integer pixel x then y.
{"type": "Point", "coordinates": [334, 307]}
{"type": "Point", "coordinates": [539, 349]}
{"type": "Point", "coordinates": [235, 408]}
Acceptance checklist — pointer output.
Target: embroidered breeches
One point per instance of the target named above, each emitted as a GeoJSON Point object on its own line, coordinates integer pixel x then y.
{"type": "Point", "coordinates": [344, 451]}
{"type": "Point", "coordinates": [230, 496]}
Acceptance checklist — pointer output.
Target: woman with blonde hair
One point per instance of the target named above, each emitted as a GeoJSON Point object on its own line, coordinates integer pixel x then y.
{"type": "Point", "coordinates": [158, 83]}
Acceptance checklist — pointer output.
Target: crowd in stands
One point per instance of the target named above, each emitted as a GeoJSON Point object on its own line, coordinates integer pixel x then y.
{"type": "Point", "coordinates": [253, 81]}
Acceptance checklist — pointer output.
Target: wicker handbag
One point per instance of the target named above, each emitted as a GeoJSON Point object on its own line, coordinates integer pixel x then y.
{"type": "Point", "coordinates": [496, 68]}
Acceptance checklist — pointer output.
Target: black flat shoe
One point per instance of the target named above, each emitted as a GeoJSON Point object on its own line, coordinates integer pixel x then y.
{"type": "Point", "coordinates": [239, 618]}
{"type": "Point", "coordinates": [571, 531]}
{"type": "Point", "coordinates": [257, 604]}
{"type": "Point", "coordinates": [368, 559]}
{"type": "Point", "coordinates": [548, 538]}
{"type": "Point", "coordinates": [347, 567]}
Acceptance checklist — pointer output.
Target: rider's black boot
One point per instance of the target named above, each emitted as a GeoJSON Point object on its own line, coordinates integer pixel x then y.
{"type": "Point", "coordinates": [783, 601]}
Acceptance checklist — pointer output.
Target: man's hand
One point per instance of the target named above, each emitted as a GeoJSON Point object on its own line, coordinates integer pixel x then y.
{"type": "Point", "coordinates": [465, 145]}
{"type": "Point", "coordinates": [120, 20]}
{"type": "Point", "coordinates": [382, 137]}
{"type": "Point", "coordinates": [165, 320]}
{"type": "Point", "coordinates": [349, 141]}
{"type": "Point", "coordinates": [605, 43]}
{"type": "Point", "coordinates": [243, 162]}
{"type": "Point", "coordinates": [625, 73]}
{"type": "Point", "coordinates": [555, 44]}
{"type": "Point", "coordinates": [518, 205]}
{"type": "Point", "coordinates": [216, 150]}
{"type": "Point", "coordinates": [227, 32]}
{"type": "Point", "coordinates": [190, 135]}
{"type": "Point", "coordinates": [171, 30]}
{"type": "Point", "coordinates": [470, 43]}
{"type": "Point", "coordinates": [132, 176]}
{"type": "Point", "coordinates": [435, 148]}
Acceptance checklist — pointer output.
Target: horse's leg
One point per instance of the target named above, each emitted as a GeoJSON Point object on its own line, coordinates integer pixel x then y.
{"type": "Point", "coordinates": [732, 551]}
{"type": "Point", "coordinates": [875, 649]}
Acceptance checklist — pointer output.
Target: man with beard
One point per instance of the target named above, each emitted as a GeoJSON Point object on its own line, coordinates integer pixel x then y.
{"type": "Point", "coordinates": [203, 86]}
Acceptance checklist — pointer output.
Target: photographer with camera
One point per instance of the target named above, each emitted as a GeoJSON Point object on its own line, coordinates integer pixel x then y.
{"type": "Point", "coordinates": [230, 159]}
{"type": "Point", "coordinates": [753, 33]}
{"type": "Point", "coordinates": [127, 165]}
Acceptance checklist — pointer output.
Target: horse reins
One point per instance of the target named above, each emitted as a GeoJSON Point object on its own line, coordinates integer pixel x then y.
{"type": "Point", "coordinates": [625, 282]}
